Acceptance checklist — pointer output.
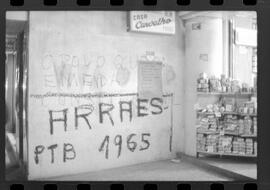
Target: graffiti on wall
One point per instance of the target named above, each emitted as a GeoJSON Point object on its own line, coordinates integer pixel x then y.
{"type": "Point", "coordinates": [109, 115]}
{"type": "Point", "coordinates": [90, 71]}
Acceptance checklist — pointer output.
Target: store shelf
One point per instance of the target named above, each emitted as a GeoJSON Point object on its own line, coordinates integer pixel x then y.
{"type": "Point", "coordinates": [225, 94]}
{"type": "Point", "coordinates": [208, 132]}
{"type": "Point", "coordinates": [231, 133]}
{"type": "Point", "coordinates": [250, 136]}
{"type": "Point", "coordinates": [223, 134]}
{"type": "Point", "coordinates": [227, 113]}
{"type": "Point", "coordinates": [206, 113]}
{"type": "Point", "coordinates": [248, 114]}
{"type": "Point", "coordinates": [226, 154]}
{"type": "Point", "coordinates": [226, 133]}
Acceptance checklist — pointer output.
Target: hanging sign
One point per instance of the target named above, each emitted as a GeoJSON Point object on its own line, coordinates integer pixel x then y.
{"type": "Point", "coordinates": [162, 22]}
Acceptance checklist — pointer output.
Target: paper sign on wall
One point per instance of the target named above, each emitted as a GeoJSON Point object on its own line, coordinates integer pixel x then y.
{"type": "Point", "coordinates": [162, 22]}
{"type": "Point", "coordinates": [150, 79]}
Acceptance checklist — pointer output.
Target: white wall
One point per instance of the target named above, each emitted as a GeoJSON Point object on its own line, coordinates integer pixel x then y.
{"type": "Point", "coordinates": [100, 39]}
{"type": "Point", "coordinates": [207, 41]}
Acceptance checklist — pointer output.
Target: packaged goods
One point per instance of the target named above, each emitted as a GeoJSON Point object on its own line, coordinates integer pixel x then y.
{"type": "Point", "coordinates": [242, 145]}
{"type": "Point", "coordinates": [235, 147]}
{"type": "Point", "coordinates": [241, 126]}
{"type": "Point", "coordinates": [249, 146]}
{"type": "Point", "coordinates": [214, 84]}
{"type": "Point", "coordinates": [250, 110]}
{"type": "Point", "coordinates": [228, 85]}
{"type": "Point", "coordinates": [255, 125]}
{"type": "Point", "coordinates": [211, 143]}
{"type": "Point", "coordinates": [202, 83]}
{"type": "Point", "coordinates": [222, 84]}
{"type": "Point", "coordinates": [201, 141]}
{"type": "Point", "coordinates": [247, 125]}
{"type": "Point", "coordinates": [235, 86]}
{"type": "Point", "coordinates": [209, 123]}
{"type": "Point", "coordinates": [245, 87]}
{"type": "Point", "coordinates": [229, 104]}
{"type": "Point", "coordinates": [228, 126]}
{"type": "Point", "coordinates": [225, 144]}
{"type": "Point", "coordinates": [231, 124]}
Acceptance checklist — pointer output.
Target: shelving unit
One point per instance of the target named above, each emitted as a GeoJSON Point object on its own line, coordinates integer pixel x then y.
{"type": "Point", "coordinates": [225, 94]}
{"type": "Point", "coordinates": [226, 154]}
{"type": "Point", "coordinates": [218, 132]}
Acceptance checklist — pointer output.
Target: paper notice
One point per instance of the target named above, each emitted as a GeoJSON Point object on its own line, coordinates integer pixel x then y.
{"type": "Point", "coordinates": [150, 79]}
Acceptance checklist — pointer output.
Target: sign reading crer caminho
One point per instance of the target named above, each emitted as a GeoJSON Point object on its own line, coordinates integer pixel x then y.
{"type": "Point", "coordinates": [162, 22]}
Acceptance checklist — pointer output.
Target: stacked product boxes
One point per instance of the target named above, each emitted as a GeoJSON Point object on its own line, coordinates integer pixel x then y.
{"type": "Point", "coordinates": [249, 146]}
{"type": "Point", "coordinates": [211, 143]}
{"type": "Point", "coordinates": [221, 84]}
{"type": "Point", "coordinates": [229, 133]}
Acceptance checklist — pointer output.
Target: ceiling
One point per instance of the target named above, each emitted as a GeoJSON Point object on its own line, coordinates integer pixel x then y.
{"type": "Point", "coordinates": [185, 15]}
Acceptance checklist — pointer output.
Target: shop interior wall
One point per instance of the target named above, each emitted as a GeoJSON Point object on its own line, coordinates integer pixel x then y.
{"type": "Point", "coordinates": [242, 57]}
{"type": "Point", "coordinates": [203, 53]}
{"type": "Point", "coordinates": [101, 40]}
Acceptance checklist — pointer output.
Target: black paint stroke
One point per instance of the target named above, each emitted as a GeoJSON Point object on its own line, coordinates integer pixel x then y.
{"type": "Point", "coordinates": [38, 150]}
{"type": "Point", "coordinates": [107, 112]}
{"type": "Point", "coordinates": [58, 119]}
{"type": "Point", "coordinates": [129, 109]}
{"type": "Point", "coordinates": [141, 107]}
{"type": "Point", "coordinates": [68, 148]}
{"type": "Point", "coordinates": [83, 115]}
{"type": "Point", "coordinates": [118, 143]}
{"type": "Point", "coordinates": [134, 144]}
{"type": "Point", "coordinates": [101, 148]}
{"type": "Point", "coordinates": [52, 147]}
{"type": "Point", "coordinates": [158, 106]}
{"type": "Point", "coordinates": [145, 141]}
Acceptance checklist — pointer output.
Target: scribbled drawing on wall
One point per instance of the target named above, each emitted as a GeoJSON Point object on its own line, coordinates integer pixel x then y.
{"type": "Point", "coordinates": [122, 74]}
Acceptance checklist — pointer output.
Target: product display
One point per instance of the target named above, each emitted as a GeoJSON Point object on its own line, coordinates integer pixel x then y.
{"type": "Point", "coordinates": [203, 83]}
{"type": "Point", "coordinates": [211, 143]}
{"type": "Point", "coordinates": [248, 108]}
{"type": "Point", "coordinates": [201, 141]}
{"type": "Point", "coordinates": [227, 127]}
{"type": "Point", "coordinates": [249, 146]}
{"type": "Point", "coordinates": [222, 84]}
{"type": "Point", "coordinates": [225, 144]}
